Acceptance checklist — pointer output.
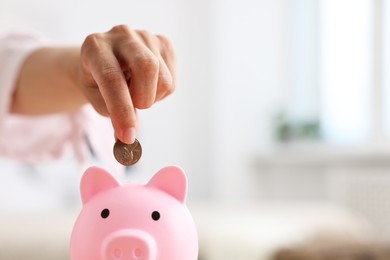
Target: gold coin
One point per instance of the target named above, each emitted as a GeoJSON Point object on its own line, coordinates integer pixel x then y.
{"type": "Point", "coordinates": [127, 154]}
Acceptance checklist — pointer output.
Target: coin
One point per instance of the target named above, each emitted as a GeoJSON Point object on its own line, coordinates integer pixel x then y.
{"type": "Point", "coordinates": [127, 154]}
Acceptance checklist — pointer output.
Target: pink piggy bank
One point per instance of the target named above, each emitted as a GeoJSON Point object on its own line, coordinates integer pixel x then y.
{"type": "Point", "coordinates": [128, 221]}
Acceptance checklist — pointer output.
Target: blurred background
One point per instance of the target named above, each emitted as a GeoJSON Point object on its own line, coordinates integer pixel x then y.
{"type": "Point", "coordinates": [281, 119]}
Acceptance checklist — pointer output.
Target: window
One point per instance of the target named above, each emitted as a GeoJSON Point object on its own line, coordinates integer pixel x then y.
{"type": "Point", "coordinates": [338, 72]}
{"type": "Point", "coordinates": [346, 70]}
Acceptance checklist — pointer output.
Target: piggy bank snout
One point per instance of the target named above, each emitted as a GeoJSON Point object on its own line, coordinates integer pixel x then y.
{"type": "Point", "coordinates": [129, 245]}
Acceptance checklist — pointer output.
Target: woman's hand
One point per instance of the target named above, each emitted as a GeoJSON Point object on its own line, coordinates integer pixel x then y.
{"type": "Point", "coordinates": [123, 70]}
{"type": "Point", "coordinates": [117, 72]}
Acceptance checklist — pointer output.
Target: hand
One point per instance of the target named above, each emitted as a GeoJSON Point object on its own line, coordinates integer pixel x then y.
{"type": "Point", "coordinates": [123, 70]}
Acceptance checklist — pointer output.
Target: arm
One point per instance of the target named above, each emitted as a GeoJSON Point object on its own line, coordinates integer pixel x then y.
{"type": "Point", "coordinates": [47, 83]}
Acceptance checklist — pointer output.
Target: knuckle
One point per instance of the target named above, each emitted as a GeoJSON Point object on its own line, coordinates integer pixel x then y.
{"type": "Point", "coordinates": [146, 36]}
{"type": "Point", "coordinates": [149, 64]}
{"type": "Point", "coordinates": [92, 44]}
{"type": "Point", "coordinates": [121, 28]}
{"type": "Point", "coordinates": [92, 47]}
{"type": "Point", "coordinates": [92, 40]}
{"type": "Point", "coordinates": [170, 89]}
{"type": "Point", "coordinates": [166, 84]}
{"type": "Point", "coordinates": [166, 43]}
{"type": "Point", "coordinates": [143, 32]}
{"type": "Point", "coordinates": [112, 74]}
{"type": "Point", "coordinates": [164, 40]}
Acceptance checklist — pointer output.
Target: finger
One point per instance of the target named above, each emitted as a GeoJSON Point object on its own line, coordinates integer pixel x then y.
{"type": "Point", "coordinates": [136, 124]}
{"type": "Point", "coordinates": [109, 77]}
{"type": "Point", "coordinates": [168, 56]}
{"type": "Point", "coordinates": [165, 84]}
{"type": "Point", "coordinates": [144, 68]}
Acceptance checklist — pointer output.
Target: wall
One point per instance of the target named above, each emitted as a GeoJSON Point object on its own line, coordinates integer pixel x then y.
{"type": "Point", "coordinates": [230, 79]}
{"type": "Point", "coordinates": [247, 86]}
{"type": "Point", "coordinates": [167, 130]}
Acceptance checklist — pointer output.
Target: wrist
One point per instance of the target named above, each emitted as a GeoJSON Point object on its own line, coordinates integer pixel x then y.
{"type": "Point", "coordinates": [70, 64]}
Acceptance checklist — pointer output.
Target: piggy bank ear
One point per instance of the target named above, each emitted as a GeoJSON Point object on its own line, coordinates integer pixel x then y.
{"type": "Point", "coordinates": [94, 181]}
{"type": "Point", "coordinates": [171, 180]}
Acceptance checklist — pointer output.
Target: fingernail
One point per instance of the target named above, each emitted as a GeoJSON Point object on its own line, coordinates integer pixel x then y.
{"type": "Point", "coordinates": [128, 135]}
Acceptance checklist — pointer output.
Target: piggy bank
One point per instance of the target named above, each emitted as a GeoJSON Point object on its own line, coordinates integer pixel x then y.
{"type": "Point", "coordinates": [128, 221]}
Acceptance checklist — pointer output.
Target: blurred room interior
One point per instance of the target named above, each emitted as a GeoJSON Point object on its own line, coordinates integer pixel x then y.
{"type": "Point", "coordinates": [281, 119]}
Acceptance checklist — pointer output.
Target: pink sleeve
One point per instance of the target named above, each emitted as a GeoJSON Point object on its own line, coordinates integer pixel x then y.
{"type": "Point", "coordinates": [43, 138]}
{"type": "Point", "coordinates": [25, 138]}
{"type": "Point", "coordinates": [14, 48]}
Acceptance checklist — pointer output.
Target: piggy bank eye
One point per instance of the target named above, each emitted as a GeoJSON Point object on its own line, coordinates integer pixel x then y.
{"type": "Point", "coordinates": [155, 215]}
{"type": "Point", "coordinates": [105, 213]}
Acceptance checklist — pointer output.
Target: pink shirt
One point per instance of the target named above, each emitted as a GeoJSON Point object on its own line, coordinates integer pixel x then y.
{"type": "Point", "coordinates": [45, 138]}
